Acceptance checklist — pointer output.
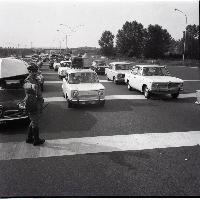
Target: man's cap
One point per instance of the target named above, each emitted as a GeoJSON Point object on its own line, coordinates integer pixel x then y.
{"type": "Point", "coordinates": [32, 67]}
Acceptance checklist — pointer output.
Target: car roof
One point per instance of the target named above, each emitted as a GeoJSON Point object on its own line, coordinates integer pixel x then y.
{"type": "Point", "coordinates": [99, 60]}
{"type": "Point", "coordinates": [149, 66]}
{"type": "Point", "coordinates": [80, 70]}
{"type": "Point", "coordinates": [122, 62]}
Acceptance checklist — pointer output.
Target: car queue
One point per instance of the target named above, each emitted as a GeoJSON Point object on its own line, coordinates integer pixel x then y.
{"type": "Point", "coordinates": [81, 85]}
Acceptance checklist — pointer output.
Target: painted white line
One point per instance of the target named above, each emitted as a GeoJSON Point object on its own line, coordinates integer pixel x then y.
{"type": "Point", "coordinates": [106, 81]}
{"type": "Point", "coordinates": [85, 145]}
{"type": "Point", "coordinates": [194, 67]}
{"type": "Point", "coordinates": [50, 82]}
{"type": "Point", "coordinates": [47, 73]}
{"type": "Point", "coordinates": [191, 80]}
{"type": "Point", "coordinates": [118, 97]}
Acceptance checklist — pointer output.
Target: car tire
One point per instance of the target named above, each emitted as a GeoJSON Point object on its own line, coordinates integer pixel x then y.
{"type": "Point", "coordinates": [102, 103]}
{"type": "Point", "coordinates": [146, 92]}
{"type": "Point", "coordinates": [59, 76]}
{"type": "Point", "coordinates": [108, 79]}
{"type": "Point", "coordinates": [114, 80]}
{"type": "Point", "coordinates": [175, 95]}
{"type": "Point", "coordinates": [129, 87]}
{"type": "Point", "coordinates": [69, 104]}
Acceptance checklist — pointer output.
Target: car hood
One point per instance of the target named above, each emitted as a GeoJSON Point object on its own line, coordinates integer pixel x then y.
{"type": "Point", "coordinates": [87, 86]}
{"type": "Point", "coordinates": [123, 71]}
{"type": "Point", "coordinates": [162, 79]}
{"type": "Point", "coordinates": [10, 98]}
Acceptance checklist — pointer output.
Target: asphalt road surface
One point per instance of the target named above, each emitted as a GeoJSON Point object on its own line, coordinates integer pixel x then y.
{"type": "Point", "coordinates": [129, 147]}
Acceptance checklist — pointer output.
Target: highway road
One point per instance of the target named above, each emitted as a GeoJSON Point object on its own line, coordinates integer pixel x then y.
{"type": "Point", "coordinates": [130, 147]}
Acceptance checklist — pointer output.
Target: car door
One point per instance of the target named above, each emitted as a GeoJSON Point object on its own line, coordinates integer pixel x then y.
{"type": "Point", "coordinates": [134, 78]}
{"type": "Point", "coordinates": [108, 71]}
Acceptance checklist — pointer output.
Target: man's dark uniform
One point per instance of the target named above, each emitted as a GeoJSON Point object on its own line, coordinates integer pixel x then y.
{"type": "Point", "coordinates": [34, 102]}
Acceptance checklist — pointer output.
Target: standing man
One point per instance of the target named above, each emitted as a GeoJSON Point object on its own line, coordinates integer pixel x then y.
{"type": "Point", "coordinates": [34, 102]}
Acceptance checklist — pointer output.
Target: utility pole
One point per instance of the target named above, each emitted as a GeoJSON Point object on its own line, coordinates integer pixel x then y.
{"type": "Point", "coordinates": [184, 32]}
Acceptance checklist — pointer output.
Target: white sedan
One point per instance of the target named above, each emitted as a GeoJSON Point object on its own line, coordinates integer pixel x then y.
{"type": "Point", "coordinates": [153, 79]}
{"type": "Point", "coordinates": [64, 67]}
{"type": "Point", "coordinates": [81, 86]}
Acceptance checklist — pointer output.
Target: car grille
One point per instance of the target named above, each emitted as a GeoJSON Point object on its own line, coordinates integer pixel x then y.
{"type": "Point", "coordinates": [12, 113]}
{"type": "Point", "coordinates": [88, 95]}
{"type": "Point", "coordinates": [167, 85]}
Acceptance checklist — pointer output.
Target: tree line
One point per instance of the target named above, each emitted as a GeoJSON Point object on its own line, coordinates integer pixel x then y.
{"type": "Point", "coordinates": [154, 42]}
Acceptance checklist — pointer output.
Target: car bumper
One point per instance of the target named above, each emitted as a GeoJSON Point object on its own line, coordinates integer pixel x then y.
{"type": "Point", "coordinates": [166, 91]}
{"type": "Point", "coordinates": [86, 102]}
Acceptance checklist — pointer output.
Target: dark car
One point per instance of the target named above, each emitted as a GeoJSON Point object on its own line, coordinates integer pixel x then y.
{"type": "Point", "coordinates": [12, 106]}
{"type": "Point", "coordinates": [99, 66]}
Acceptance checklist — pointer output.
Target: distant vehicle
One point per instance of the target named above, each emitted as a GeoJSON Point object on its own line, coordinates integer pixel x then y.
{"type": "Point", "coordinates": [116, 71]}
{"type": "Point", "coordinates": [52, 59]}
{"type": "Point", "coordinates": [99, 66]}
{"type": "Point", "coordinates": [64, 67]}
{"type": "Point", "coordinates": [56, 65]}
{"type": "Point", "coordinates": [81, 86]}
{"type": "Point", "coordinates": [77, 62]}
{"type": "Point", "coordinates": [12, 75]}
{"type": "Point", "coordinates": [155, 79]}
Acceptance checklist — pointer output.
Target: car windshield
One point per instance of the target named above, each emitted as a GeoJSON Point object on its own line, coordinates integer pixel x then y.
{"type": "Point", "coordinates": [66, 64]}
{"type": "Point", "coordinates": [155, 71]}
{"type": "Point", "coordinates": [123, 66]}
{"type": "Point", "coordinates": [83, 77]}
{"type": "Point", "coordinates": [102, 63]}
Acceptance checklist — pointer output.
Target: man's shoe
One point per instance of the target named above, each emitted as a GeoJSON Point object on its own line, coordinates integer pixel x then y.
{"type": "Point", "coordinates": [30, 135]}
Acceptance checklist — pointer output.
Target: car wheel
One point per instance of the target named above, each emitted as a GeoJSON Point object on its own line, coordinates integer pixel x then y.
{"type": "Point", "coordinates": [69, 104]}
{"type": "Point", "coordinates": [129, 87]}
{"type": "Point", "coordinates": [175, 95]}
{"type": "Point", "coordinates": [59, 76]}
{"type": "Point", "coordinates": [146, 92]}
{"type": "Point", "coordinates": [102, 103]}
{"type": "Point", "coordinates": [108, 79]}
{"type": "Point", "coordinates": [114, 80]}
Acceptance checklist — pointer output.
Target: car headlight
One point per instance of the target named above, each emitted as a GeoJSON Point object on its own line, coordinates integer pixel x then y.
{"type": "Point", "coordinates": [22, 105]}
{"type": "Point", "coordinates": [100, 92]}
{"type": "Point", "coordinates": [75, 93]}
{"type": "Point", "coordinates": [154, 85]}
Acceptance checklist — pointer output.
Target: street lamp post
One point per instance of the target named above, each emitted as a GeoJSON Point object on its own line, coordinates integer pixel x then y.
{"type": "Point", "coordinates": [184, 44]}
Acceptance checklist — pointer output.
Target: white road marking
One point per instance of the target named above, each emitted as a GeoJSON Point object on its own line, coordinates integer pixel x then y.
{"type": "Point", "coordinates": [85, 145]}
{"type": "Point", "coordinates": [191, 80]}
{"type": "Point", "coordinates": [47, 73]}
{"type": "Point", "coordinates": [117, 97]}
{"type": "Point", "coordinates": [106, 81]}
{"type": "Point", "coordinates": [194, 67]}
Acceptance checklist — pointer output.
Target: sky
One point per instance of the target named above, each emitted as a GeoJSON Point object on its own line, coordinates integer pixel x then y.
{"type": "Point", "coordinates": [37, 23]}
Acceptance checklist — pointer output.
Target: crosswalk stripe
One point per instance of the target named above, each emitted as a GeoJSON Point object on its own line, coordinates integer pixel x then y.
{"type": "Point", "coordinates": [106, 81]}
{"type": "Point", "coordinates": [85, 145]}
{"type": "Point", "coordinates": [118, 97]}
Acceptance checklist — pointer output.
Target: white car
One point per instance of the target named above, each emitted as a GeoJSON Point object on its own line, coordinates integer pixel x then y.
{"type": "Point", "coordinates": [64, 67]}
{"type": "Point", "coordinates": [153, 79]}
{"type": "Point", "coordinates": [56, 65]}
{"type": "Point", "coordinates": [81, 86]}
{"type": "Point", "coordinates": [116, 71]}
